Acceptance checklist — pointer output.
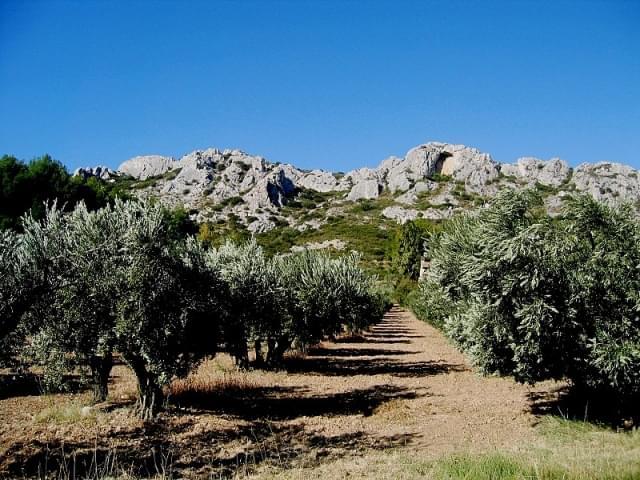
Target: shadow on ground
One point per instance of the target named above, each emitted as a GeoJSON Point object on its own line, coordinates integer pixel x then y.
{"type": "Point", "coordinates": [268, 423]}
{"type": "Point", "coordinates": [338, 367]}
{"type": "Point", "coordinates": [169, 446]}
{"type": "Point", "coordinates": [356, 352]}
{"type": "Point", "coordinates": [26, 384]}
{"type": "Point", "coordinates": [575, 404]}
{"type": "Point", "coordinates": [288, 403]}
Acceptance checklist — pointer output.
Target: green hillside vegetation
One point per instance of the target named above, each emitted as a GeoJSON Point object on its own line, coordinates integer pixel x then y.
{"type": "Point", "coordinates": [26, 187]}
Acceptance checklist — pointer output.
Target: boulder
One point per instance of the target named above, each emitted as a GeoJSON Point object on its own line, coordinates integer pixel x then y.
{"type": "Point", "coordinates": [401, 215]}
{"type": "Point", "coordinates": [365, 189]}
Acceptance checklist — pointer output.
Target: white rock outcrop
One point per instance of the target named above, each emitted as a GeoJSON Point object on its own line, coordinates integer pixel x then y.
{"type": "Point", "coordinates": [335, 244]}
{"type": "Point", "coordinates": [612, 182]}
{"type": "Point", "coordinates": [101, 172]}
{"type": "Point", "coordinates": [401, 215]}
{"type": "Point", "coordinates": [433, 180]}
{"type": "Point", "coordinates": [146, 166]}
{"type": "Point", "coordinates": [552, 172]}
{"type": "Point", "coordinates": [365, 189]}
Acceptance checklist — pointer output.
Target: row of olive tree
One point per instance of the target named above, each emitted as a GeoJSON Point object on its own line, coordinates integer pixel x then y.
{"type": "Point", "coordinates": [539, 297]}
{"type": "Point", "coordinates": [293, 300]}
{"type": "Point", "coordinates": [78, 287]}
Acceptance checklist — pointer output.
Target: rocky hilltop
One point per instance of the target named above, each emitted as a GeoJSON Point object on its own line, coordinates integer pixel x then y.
{"type": "Point", "coordinates": [433, 181]}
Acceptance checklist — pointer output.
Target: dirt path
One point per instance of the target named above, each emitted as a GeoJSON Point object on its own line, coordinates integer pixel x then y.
{"type": "Point", "coordinates": [421, 389]}
{"type": "Point", "coordinates": [401, 385]}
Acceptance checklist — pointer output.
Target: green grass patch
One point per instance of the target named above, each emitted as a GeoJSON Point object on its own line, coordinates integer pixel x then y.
{"type": "Point", "coordinates": [65, 413]}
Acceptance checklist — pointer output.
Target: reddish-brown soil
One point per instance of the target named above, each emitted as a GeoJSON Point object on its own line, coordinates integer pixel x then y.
{"type": "Point", "coordinates": [400, 385]}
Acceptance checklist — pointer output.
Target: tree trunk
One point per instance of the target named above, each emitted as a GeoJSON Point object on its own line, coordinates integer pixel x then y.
{"type": "Point", "coordinates": [100, 370]}
{"type": "Point", "coordinates": [150, 395]}
{"type": "Point", "coordinates": [277, 351]}
{"type": "Point", "coordinates": [241, 356]}
{"type": "Point", "coordinates": [257, 345]}
{"type": "Point", "coordinates": [271, 348]}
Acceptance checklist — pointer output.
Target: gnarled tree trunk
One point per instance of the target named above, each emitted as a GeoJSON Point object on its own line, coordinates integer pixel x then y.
{"type": "Point", "coordinates": [100, 369]}
{"type": "Point", "coordinates": [150, 394]}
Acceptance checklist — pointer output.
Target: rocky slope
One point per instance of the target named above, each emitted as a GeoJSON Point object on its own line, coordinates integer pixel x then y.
{"type": "Point", "coordinates": [432, 180]}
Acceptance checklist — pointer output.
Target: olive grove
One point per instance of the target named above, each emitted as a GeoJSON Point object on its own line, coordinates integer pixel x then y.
{"type": "Point", "coordinates": [81, 287]}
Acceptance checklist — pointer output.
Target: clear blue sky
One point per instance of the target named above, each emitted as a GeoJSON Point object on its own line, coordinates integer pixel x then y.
{"type": "Point", "coordinates": [328, 84]}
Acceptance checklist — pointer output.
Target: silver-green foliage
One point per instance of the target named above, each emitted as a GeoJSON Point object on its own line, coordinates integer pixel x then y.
{"type": "Point", "coordinates": [14, 292]}
{"type": "Point", "coordinates": [541, 298]}
{"type": "Point", "coordinates": [115, 280]}
{"type": "Point", "coordinates": [291, 300]}
{"type": "Point", "coordinates": [84, 285]}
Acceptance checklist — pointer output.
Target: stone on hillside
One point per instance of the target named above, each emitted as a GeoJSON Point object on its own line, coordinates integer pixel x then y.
{"type": "Point", "coordinates": [335, 244]}
{"type": "Point", "coordinates": [146, 166]}
{"type": "Point", "coordinates": [552, 172]}
{"type": "Point", "coordinates": [438, 213]}
{"type": "Point", "coordinates": [101, 172]}
{"type": "Point", "coordinates": [261, 225]}
{"type": "Point", "coordinates": [399, 183]}
{"type": "Point", "coordinates": [318, 180]}
{"type": "Point", "coordinates": [271, 191]}
{"type": "Point", "coordinates": [365, 189]}
{"type": "Point", "coordinates": [401, 215]}
{"type": "Point", "coordinates": [612, 182]}
{"type": "Point", "coordinates": [411, 196]}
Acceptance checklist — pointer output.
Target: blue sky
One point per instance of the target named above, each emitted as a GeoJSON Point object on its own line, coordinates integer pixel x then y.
{"type": "Point", "coordinates": [326, 84]}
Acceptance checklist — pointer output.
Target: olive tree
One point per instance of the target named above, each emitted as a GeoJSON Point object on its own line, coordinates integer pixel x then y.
{"type": "Point", "coordinates": [319, 298]}
{"type": "Point", "coordinates": [252, 298]}
{"type": "Point", "coordinates": [45, 263]}
{"type": "Point", "coordinates": [70, 256]}
{"type": "Point", "coordinates": [539, 297]}
{"type": "Point", "coordinates": [17, 290]}
{"type": "Point", "coordinates": [165, 302]}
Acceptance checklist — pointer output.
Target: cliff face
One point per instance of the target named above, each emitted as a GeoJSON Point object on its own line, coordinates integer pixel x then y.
{"type": "Point", "coordinates": [432, 180]}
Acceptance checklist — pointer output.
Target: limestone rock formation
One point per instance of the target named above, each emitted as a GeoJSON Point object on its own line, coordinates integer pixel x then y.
{"type": "Point", "coordinates": [432, 181]}
{"type": "Point", "coordinates": [608, 181]}
{"type": "Point", "coordinates": [101, 172]}
{"type": "Point", "coordinates": [553, 172]}
{"type": "Point", "coordinates": [146, 166]}
{"type": "Point", "coordinates": [467, 165]}
{"type": "Point", "coordinates": [365, 189]}
{"type": "Point", "coordinates": [400, 214]}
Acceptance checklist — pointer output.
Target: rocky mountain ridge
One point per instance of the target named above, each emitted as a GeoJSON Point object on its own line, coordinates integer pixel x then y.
{"type": "Point", "coordinates": [433, 181]}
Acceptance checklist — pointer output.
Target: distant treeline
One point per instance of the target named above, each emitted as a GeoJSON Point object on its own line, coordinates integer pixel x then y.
{"type": "Point", "coordinates": [28, 187]}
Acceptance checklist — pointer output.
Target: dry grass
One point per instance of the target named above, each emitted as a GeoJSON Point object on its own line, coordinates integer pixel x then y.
{"type": "Point", "coordinates": [203, 384]}
{"type": "Point", "coordinates": [397, 411]}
